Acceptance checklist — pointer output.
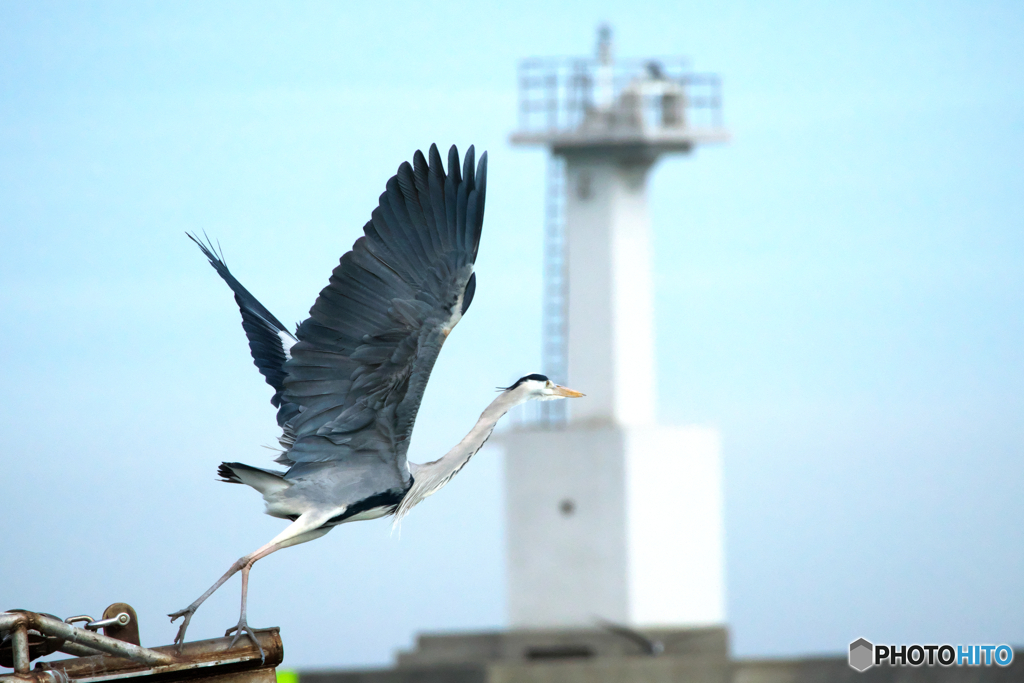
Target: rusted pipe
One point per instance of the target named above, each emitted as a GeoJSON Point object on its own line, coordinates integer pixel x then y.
{"type": "Point", "coordinates": [78, 650]}
{"type": "Point", "coordinates": [36, 676]}
{"type": "Point", "coordinates": [19, 645]}
{"type": "Point", "coordinates": [19, 621]}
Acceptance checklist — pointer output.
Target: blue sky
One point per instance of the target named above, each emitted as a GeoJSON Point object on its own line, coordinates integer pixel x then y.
{"type": "Point", "coordinates": [839, 290]}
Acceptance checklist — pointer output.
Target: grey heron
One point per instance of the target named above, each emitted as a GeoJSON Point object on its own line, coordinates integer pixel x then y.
{"type": "Point", "coordinates": [348, 384]}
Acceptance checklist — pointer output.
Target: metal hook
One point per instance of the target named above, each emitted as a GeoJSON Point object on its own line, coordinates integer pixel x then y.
{"type": "Point", "coordinates": [122, 619]}
{"type": "Point", "coordinates": [91, 624]}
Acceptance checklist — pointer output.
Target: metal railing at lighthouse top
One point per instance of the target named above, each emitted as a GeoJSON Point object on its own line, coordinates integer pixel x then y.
{"type": "Point", "coordinates": [588, 102]}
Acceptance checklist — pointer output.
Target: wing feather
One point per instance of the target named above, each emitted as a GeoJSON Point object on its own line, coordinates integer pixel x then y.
{"type": "Point", "coordinates": [269, 340]}
{"type": "Point", "coordinates": [437, 181]}
{"type": "Point", "coordinates": [359, 370]}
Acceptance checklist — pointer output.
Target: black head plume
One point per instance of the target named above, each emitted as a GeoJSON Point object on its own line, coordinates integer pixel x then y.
{"type": "Point", "coordinates": [535, 376]}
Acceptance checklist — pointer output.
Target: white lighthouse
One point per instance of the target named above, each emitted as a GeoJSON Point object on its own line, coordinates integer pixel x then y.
{"type": "Point", "coordinates": [610, 515]}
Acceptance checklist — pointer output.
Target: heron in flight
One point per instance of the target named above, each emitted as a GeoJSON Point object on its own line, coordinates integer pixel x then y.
{"type": "Point", "coordinates": [348, 384]}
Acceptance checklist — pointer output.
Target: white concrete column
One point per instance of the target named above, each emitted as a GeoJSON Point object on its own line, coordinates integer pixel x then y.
{"type": "Point", "coordinates": [675, 526]}
{"type": "Point", "coordinates": [611, 298]}
{"type": "Point", "coordinates": [614, 523]}
{"type": "Point", "coordinates": [612, 515]}
{"type": "Point", "coordinates": [566, 527]}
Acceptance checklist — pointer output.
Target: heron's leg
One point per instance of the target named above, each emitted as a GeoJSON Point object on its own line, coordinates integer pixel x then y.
{"type": "Point", "coordinates": [303, 529]}
{"type": "Point", "coordinates": [243, 626]}
{"type": "Point", "coordinates": [179, 639]}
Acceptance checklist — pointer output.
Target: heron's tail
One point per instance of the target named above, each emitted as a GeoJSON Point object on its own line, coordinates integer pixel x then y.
{"type": "Point", "coordinates": [264, 481]}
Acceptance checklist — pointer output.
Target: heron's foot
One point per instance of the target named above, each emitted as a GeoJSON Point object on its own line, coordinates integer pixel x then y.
{"type": "Point", "coordinates": [179, 639]}
{"type": "Point", "coordinates": [243, 628]}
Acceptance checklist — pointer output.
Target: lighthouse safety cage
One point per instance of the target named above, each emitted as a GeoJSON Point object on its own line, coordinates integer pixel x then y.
{"type": "Point", "coordinates": [587, 95]}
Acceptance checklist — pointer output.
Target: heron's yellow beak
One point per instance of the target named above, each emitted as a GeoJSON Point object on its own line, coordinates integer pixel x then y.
{"type": "Point", "coordinates": [567, 392]}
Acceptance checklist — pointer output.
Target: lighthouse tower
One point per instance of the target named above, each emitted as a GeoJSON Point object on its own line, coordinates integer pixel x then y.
{"type": "Point", "coordinates": [610, 515]}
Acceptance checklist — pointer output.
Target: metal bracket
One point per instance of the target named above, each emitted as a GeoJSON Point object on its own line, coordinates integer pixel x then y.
{"type": "Point", "coordinates": [105, 659]}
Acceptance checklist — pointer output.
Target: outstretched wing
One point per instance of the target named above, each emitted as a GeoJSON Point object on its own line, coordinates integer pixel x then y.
{"type": "Point", "coordinates": [359, 369]}
{"type": "Point", "coordinates": [269, 340]}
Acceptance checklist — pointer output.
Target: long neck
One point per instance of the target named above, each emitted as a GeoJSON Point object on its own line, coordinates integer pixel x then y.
{"type": "Point", "coordinates": [429, 477]}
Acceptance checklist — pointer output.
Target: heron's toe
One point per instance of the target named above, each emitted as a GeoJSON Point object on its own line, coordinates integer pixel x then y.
{"type": "Point", "coordinates": [179, 639]}
{"type": "Point", "coordinates": [243, 628]}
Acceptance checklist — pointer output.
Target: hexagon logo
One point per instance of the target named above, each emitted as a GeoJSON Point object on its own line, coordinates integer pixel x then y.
{"type": "Point", "coordinates": [862, 654]}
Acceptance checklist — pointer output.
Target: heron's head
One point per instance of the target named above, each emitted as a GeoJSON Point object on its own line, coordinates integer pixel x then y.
{"type": "Point", "coordinates": [541, 388]}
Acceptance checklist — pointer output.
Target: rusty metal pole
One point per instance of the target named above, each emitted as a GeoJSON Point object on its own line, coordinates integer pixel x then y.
{"type": "Point", "coordinates": [19, 643]}
{"type": "Point", "coordinates": [14, 621]}
{"type": "Point", "coordinates": [29, 635]}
